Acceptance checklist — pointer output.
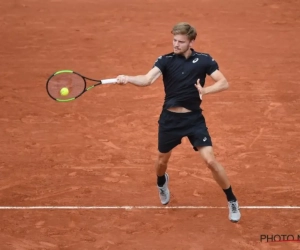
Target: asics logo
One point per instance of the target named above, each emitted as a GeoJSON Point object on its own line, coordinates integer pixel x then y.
{"type": "Point", "coordinates": [195, 60]}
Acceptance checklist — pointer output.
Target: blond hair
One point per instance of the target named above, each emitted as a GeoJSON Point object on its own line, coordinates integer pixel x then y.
{"type": "Point", "coordinates": [185, 29]}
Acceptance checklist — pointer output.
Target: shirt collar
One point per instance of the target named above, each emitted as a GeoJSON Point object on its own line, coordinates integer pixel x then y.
{"type": "Point", "coordinates": [193, 53]}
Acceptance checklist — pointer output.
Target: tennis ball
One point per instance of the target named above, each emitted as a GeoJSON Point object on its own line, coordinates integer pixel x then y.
{"type": "Point", "coordinates": [64, 91]}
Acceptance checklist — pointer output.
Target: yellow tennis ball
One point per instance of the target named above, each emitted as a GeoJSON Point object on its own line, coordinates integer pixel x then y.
{"type": "Point", "coordinates": [64, 91]}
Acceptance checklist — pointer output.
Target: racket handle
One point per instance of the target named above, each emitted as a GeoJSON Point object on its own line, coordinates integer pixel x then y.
{"type": "Point", "coordinates": [107, 81]}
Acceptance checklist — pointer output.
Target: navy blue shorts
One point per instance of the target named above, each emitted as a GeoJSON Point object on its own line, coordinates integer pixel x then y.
{"type": "Point", "coordinates": [174, 126]}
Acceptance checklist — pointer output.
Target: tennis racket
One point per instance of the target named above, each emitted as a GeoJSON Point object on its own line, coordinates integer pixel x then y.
{"type": "Point", "coordinates": [67, 85]}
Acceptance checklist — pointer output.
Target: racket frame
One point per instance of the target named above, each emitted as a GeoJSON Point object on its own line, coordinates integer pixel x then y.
{"type": "Point", "coordinates": [98, 82]}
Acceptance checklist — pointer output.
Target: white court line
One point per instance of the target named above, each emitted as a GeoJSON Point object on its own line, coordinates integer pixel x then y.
{"type": "Point", "coordinates": [135, 207]}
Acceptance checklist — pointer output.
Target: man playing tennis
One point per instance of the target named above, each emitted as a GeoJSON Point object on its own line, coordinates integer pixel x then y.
{"type": "Point", "coordinates": [184, 72]}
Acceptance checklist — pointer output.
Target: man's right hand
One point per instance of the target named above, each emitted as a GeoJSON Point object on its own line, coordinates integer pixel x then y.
{"type": "Point", "coordinates": [122, 79]}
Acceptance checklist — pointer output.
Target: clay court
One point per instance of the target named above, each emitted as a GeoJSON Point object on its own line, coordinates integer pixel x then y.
{"type": "Point", "coordinates": [99, 150]}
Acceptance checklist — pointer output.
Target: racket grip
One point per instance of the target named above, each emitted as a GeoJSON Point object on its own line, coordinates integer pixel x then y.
{"type": "Point", "coordinates": [107, 81]}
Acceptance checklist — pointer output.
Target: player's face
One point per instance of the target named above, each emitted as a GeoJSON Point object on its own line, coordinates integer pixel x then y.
{"type": "Point", "coordinates": [181, 44]}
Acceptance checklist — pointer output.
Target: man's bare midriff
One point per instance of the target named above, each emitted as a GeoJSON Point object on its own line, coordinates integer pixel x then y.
{"type": "Point", "coordinates": [179, 110]}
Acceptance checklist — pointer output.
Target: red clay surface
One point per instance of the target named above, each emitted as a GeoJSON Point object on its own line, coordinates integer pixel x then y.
{"type": "Point", "coordinates": [100, 149]}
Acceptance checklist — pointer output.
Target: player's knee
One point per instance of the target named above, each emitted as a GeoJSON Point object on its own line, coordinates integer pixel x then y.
{"type": "Point", "coordinates": [162, 160]}
{"type": "Point", "coordinates": [212, 164]}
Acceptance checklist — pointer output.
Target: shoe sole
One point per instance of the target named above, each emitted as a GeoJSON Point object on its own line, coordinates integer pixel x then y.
{"type": "Point", "coordinates": [165, 203]}
{"type": "Point", "coordinates": [235, 221]}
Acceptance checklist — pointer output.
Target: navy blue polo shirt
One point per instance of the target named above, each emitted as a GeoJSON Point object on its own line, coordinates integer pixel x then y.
{"type": "Point", "coordinates": [180, 75]}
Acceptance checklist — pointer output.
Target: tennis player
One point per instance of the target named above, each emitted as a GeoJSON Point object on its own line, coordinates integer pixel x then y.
{"type": "Point", "coordinates": [184, 72]}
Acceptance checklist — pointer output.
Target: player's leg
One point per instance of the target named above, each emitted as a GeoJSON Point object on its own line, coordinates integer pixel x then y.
{"type": "Point", "coordinates": [166, 142]}
{"type": "Point", "coordinates": [168, 138]}
{"type": "Point", "coordinates": [217, 170]}
{"type": "Point", "coordinates": [163, 177]}
{"type": "Point", "coordinates": [220, 176]}
{"type": "Point", "coordinates": [161, 166]}
{"type": "Point", "coordinates": [201, 141]}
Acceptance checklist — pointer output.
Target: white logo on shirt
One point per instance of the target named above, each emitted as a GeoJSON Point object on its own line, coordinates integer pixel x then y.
{"type": "Point", "coordinates": [195, 60]}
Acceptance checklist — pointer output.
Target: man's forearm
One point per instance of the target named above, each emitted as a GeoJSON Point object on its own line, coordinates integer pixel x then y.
{"type": "Point", "coordinates": [140, 80]}
{"type": "Point", "coordinates": [216, 87]}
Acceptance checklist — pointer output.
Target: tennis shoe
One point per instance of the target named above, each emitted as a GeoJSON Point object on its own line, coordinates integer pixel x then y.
{"type": "Point", "coordinates": [164, 193]}
{"type": "Point", "coordinates": [234, 211]}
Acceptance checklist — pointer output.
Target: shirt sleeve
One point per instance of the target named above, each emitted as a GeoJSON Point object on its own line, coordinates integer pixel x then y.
{"type": "Point", "coordinates": [211, 65]}
{"type": "Point", "coordinates": [160, 63]}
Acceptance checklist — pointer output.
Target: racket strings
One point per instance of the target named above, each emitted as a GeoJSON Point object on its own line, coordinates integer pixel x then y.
{"type": "Point", "coordinates": [74, 84]}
